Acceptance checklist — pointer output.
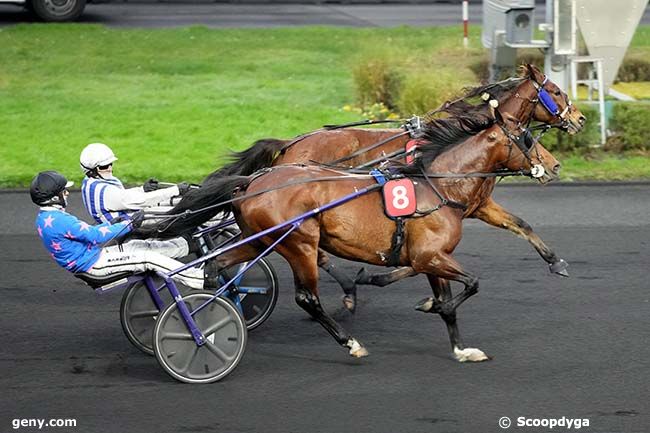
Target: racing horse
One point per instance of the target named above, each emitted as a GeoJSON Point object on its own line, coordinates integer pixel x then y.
{"type": "Point", "coordinates": [359, 230]}
{"type": "Point", "coordinates": [519, 103]}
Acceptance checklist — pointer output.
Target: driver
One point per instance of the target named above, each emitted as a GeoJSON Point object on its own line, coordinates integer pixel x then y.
{"type": "Point", "coordinates": [78, 247]}
{"type": "Point", "coordinates": [103, 194]}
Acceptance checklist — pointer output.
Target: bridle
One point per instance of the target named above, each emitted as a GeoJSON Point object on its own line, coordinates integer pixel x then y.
{"type": "Point", "coordinates": [524, 140]}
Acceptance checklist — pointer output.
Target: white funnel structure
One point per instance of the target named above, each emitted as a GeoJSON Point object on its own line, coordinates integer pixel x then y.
{"type": "Point", "coordinates": [607, 27]}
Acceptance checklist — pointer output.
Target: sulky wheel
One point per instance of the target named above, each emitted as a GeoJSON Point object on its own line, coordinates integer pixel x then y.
{"type": "Point", "coordinates": [221, 324]}
{"type": "Point", "coordinates": [256, 292]}
{"type": "Point", "coordinates": [138, 313]}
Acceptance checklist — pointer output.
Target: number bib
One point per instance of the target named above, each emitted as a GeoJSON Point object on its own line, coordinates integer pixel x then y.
{"type": "Point", "coordinates": [399, 198]}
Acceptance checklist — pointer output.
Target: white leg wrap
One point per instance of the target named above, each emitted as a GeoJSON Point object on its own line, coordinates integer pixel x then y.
{"type": "Point", "coordinates": [356, 349]}
{"type": "Point", "coordinates": [469, 354]}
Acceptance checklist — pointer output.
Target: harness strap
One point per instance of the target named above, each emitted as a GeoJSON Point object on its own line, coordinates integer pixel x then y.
{"type": "Point", "coordinates": [443, 200]}
{"type": "Point", "coordinates": [368, 148]}
{"type": "Point", "coordinates": [379, 176]}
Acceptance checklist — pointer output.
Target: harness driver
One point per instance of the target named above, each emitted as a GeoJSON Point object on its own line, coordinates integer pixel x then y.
{"type": "Point", "coordinates": [79, 247]}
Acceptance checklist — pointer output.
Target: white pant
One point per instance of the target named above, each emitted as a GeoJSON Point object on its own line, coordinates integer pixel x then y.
{"type": "Point", "coordinates": [147, 255]}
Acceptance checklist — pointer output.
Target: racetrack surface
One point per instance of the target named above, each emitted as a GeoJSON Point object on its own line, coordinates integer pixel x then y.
{"type": "Point", "coordinates": [574, 347]}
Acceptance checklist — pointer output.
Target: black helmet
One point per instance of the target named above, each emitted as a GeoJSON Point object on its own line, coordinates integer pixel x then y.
{"type": "Point", "coordinates": [47, 188]}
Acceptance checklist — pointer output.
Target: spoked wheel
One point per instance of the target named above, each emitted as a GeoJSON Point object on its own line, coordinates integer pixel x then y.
{"type": "Point", "coordinates": [256, 292]}
{"type": "Point", "coordinates": [138, 313]}
{"type": "Point", "coordinates": [223, 328]}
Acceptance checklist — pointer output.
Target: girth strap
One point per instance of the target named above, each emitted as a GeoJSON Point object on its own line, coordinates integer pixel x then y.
{"type": "Point", "coordinates": [397, 242]}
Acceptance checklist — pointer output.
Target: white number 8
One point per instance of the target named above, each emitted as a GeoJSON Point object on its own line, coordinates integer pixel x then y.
{"type": "Point", "coordinates": [400, 199]}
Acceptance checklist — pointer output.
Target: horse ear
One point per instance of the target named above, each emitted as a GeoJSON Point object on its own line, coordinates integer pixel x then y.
{"type": "Point", "coordinates": [523, 71]}
{"type": "Point", "coordinates": [534, 73]}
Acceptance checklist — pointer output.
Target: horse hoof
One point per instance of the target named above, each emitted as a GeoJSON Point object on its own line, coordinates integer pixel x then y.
{"type": "Point", "coordinates": [425, 305]}
{"type": "Point", "coordinates": [356, 349]}
{"type": "Point", "coordinates": [470, 354]}
{"type": "Point", "coordinates": [350, 303]}
{"type": "Point", "coordinates": [559, 268]}
{"type": "Point", "coordinates": [363, 277]}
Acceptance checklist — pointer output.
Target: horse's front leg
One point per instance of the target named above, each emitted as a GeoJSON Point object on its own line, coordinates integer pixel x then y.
{"type": "Point", "coordinates": [495, 215]}
{"type": "Point", "coordinates": [442, 295]}
{"type": "Point", "coordinates": [440, 268]}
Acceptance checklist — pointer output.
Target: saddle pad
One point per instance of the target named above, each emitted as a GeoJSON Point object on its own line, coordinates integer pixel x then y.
{"type": "Point", "coordinates": [399, 198]}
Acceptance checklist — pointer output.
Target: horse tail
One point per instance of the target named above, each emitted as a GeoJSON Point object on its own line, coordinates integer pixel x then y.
{"type": "Point", "coordinates": [260, 155]}
{"type": "Point", "coordinates": [204, 203]}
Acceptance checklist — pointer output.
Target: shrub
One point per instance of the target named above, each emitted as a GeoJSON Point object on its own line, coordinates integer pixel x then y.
{"type": "Point", "coordinates": [376, 82]}
{"type": "Point", "coordinates": [634, 68]}
{"type": "Point", "coordinates": [556, 140]}
{"type": "Point", "coordinates": [426, 91]}
{"type": "Point", "coordinates": [630, 123]}
{"type": "Point", "coordinates": [481, 68]}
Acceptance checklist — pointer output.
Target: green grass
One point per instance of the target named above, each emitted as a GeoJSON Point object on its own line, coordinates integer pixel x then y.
{"type": "Point", "coordinates": [605, 167]}
{"type": "Point", "coordinates": [170, 102]}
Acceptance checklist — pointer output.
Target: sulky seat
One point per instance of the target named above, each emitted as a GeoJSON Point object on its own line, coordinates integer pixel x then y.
{"type": "Point", "coordinates": [96, 282]}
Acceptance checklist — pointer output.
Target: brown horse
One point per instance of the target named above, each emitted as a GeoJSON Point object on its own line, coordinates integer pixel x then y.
{"type": "Point", "coordinates": [359, 229]}
{"type": "Point", "coordinates": [518, 103]}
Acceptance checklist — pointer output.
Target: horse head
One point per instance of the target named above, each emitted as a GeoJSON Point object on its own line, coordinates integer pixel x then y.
{"type": "Point", "coordinates": [551, 105]}
{"type": "Point", "coordinates": [525, 153]}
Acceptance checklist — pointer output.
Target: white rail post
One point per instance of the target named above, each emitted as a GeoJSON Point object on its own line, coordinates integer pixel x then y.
{"type": "Point", "coordinates": [465, 23]}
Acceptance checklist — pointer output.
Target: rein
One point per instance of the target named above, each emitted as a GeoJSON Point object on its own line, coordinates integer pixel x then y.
{"type": "Point", "coordinates": [335, 127]}
{"type": "Point", "coordinates": [189, 212]}
{"type": "Point", "coordinates": [361, 123]}
{"type": "Point", "coordinates": [345, 176]}
{"type": "Point", "coordinates": [369, 148]}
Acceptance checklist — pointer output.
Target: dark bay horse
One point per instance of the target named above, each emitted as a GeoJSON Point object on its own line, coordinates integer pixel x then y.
{"type": "Point", "coordinates": [518, 104]}
{"type": "Point", "coordinates": [359, 229]}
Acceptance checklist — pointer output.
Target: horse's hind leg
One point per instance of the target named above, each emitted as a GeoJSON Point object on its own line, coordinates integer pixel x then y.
{"type": "Point", "coordinates": [384, 278]}
{"type": "Point", "coordinates": [347, 284]}
{"type": "Point", "coordinates": [243, 253]}
{"type": "Point", "coordinates": [442, 294]}
{"type": "Point", "coordinates": [303, 261]}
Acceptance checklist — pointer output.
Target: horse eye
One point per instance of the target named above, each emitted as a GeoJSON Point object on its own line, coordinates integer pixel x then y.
{"type": "Point", "coordinates": [557, 93]}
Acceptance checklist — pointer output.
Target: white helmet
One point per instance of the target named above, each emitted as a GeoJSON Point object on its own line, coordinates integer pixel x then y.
{"type": "Point", "coordinates": [95, 155]}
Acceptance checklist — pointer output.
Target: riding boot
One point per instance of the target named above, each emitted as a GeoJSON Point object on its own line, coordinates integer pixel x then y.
{"type": "Point", "coordinates": [192, 245]}
{"type": "Point", "coordinates": [211, 275]}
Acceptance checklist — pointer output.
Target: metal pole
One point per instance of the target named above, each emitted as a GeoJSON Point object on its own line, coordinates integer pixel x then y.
{"type": "Point", "coordinates": [465, 23]}
{"type": "Point", "coordinates": [601, 101]}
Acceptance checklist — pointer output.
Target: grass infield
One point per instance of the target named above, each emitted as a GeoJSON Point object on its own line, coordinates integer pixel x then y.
{"type": "Point", "coordinates": [170, 102]}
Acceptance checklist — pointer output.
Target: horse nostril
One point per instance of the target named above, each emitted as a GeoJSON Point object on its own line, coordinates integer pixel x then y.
{"type": "Point", "coordinates": [556, 168]}
{"type": "Point", "coordinates": [582, 120]}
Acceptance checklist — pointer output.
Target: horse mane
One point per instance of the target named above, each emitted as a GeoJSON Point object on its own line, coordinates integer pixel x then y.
{"type": "Point", "coordinates": [464, 106]}
{"type": "Point", "coordinates": [463, 120]}
{"type": "Point", "coordinates": [441, 135]}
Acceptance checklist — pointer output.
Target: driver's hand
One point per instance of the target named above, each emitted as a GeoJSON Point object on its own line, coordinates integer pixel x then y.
{"type": "Point", "coordinates": [150, 185]}
{"type": "Point", "coordinates": [183, 187]}
{"type": "Point", "coordinates": [137, 218]}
